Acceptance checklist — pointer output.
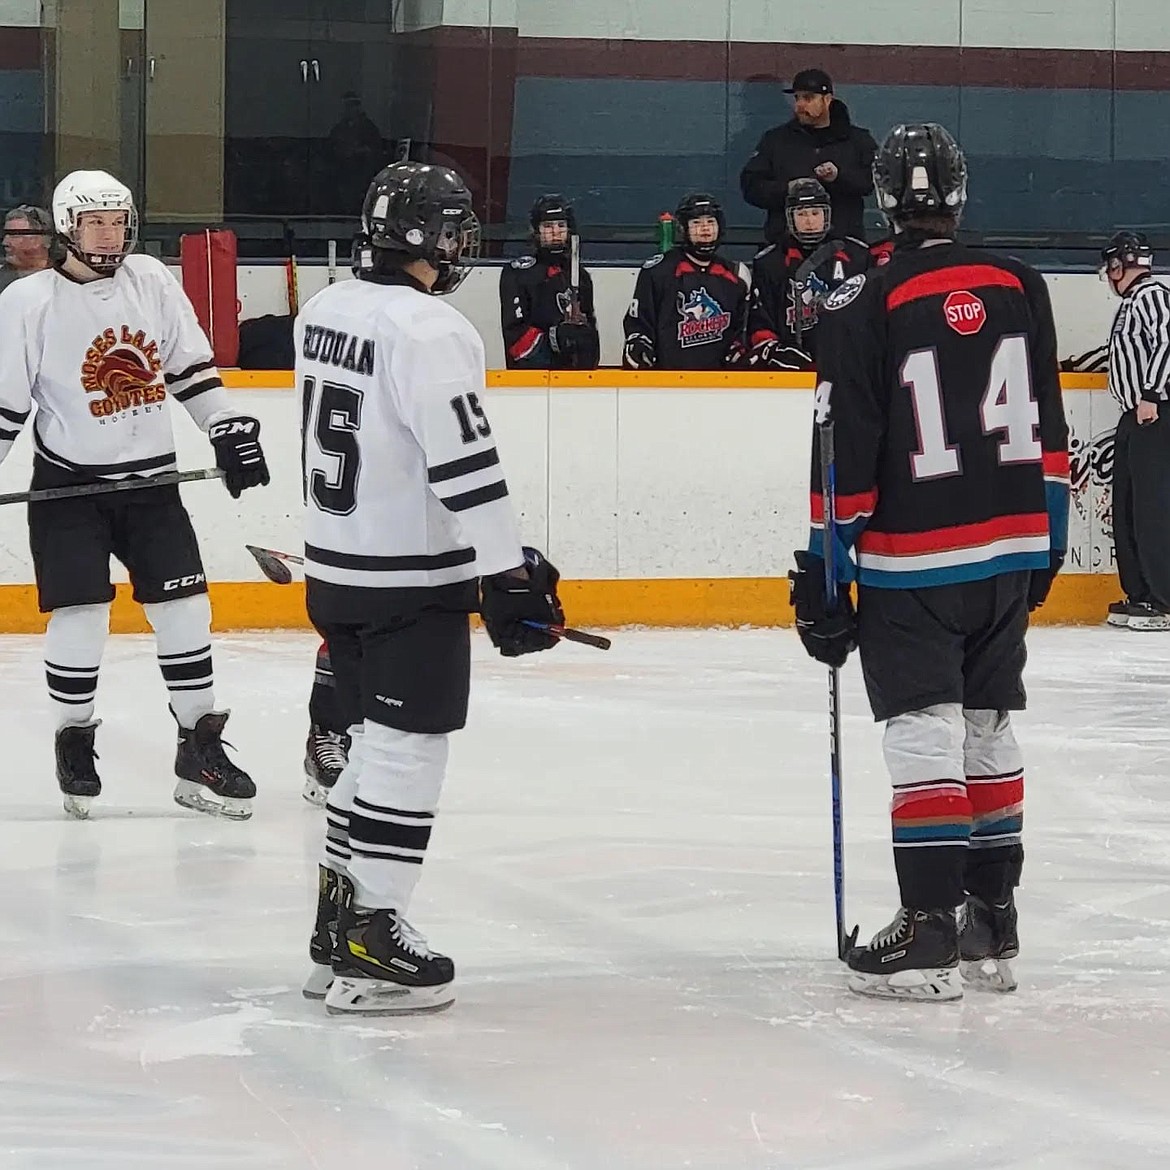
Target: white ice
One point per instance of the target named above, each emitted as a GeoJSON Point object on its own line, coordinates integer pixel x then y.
{"type": "Point", "coordinates": [632, 872]}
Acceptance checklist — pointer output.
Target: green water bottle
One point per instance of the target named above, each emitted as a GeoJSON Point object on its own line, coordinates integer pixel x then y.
{"type": "Point", "coordinates": [665, 232]}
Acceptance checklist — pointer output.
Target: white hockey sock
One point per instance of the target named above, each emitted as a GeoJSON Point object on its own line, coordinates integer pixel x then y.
{"type": "Point", "coordinates": [74, 641]}
{"type": "Point", "coordinates": [398, 787]}
{"type": "Point", "coordinates": [182, 635]}
{"type": "Point", "coordinates": [340, 801]}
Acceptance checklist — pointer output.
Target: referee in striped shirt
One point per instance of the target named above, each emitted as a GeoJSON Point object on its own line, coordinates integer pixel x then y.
{"type": "Point", "coordinates": [1139, 370]}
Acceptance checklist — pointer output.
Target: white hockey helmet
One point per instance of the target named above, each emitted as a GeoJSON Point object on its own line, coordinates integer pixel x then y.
{"type": "Point", "coordinates": [83, 191]}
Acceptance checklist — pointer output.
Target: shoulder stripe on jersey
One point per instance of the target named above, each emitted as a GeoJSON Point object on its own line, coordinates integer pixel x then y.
{"type": "Point", "coordinates": [189, 392]}
{"type": "Point", "coordinates": [946, 280]}
{"type": "Point", "coordinates": [465, 466]}
{"type": "Point", "coordinates": [190, 371]}
{"type": "Point", "coordinates": [473, 499]}
{"type": "Point", "coordinates": [422, 562]}
{"type": "Point", "coordinates": [13, 416]}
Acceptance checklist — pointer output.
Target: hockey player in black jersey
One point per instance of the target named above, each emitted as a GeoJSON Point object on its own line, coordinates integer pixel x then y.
{"type": "Point", "coordinates": [791, 280]}
{"type": "Point", "coordinates": [938, 373]}
{"type": "Point", "coordinates": [690, 305]}
{"type": "Point", "coordinates": [547, 318]}
{"type": "Point", "coordinates": [409, 529]}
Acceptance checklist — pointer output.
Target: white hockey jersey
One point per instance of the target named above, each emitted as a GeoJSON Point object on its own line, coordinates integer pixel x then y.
{"type": "Point", "coordinates": [403, 484]}
{"type": "Point", "coordinates": [100, 361]}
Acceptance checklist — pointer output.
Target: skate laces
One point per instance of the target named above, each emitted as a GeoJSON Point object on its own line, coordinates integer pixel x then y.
{"type": "Point", "coordinates": [329, 748]}
{"type": "Point", "coordinates": [410, 938]}
{"type": "Point", "coordinates": [895, 932]}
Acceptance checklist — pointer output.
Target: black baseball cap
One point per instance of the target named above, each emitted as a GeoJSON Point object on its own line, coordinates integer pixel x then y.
{"type": "Point", "coordinates": [811, 81]}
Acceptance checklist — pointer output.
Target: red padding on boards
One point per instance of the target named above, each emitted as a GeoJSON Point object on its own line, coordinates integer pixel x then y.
{"type": "Point", "coordinates": [209, 279]}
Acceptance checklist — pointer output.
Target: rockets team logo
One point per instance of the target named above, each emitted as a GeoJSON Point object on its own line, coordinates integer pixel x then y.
{"type": "Point", "coordinates": [812, 296]}
{"type": "Point", "coordinates": [703, 319]}
{"type": "Point", "coordinates": [123, 367]}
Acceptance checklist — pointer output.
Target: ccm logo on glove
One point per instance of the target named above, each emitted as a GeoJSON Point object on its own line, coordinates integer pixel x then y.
{"type": "Point", "coordinates": [238, 453]}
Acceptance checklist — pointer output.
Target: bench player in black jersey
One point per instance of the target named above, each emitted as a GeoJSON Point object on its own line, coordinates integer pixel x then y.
{"type": "Point", "coordinates": [690, 304]}
{"type": "Point", "coordinates": [547, 324]}
{"type": "Point", "coordinates": [409, 529]}
{"type": "Point", "coordinates": [791, 279]}
{"type": "Point", "coordinates": [939, 374]}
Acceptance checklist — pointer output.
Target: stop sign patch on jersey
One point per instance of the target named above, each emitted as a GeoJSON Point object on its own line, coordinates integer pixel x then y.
{"type": "Point", "coordinates": [964, 312]}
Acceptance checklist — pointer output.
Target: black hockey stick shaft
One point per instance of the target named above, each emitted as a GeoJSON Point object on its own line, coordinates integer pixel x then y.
{"type": "Point", "coordinates": [269, 560]}
{"type": "Point", "coordinates": [111, 485]}
{"type": "Point", "coordinates": [845, 939]}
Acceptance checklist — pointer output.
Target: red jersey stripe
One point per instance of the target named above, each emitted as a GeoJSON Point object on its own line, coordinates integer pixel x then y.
{"type": "Point", "coordinates": [947, 280]}
{"type": "Point", "coordinates": [1056, 463]}
{"type": "Point", "coordinates": [525, 343]}
{"type": "Point", "coordinates": [960, 536]}
{"type": "Point", "coordinates": [848, 507]}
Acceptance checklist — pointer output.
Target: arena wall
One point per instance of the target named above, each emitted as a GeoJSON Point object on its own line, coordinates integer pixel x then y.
{"type": "Point", "coordinates": [669, 499]}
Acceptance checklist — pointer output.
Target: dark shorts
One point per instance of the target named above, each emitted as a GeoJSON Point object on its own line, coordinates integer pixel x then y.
{"type": "Point", "coordinates": [147, 529]}
{"type": "Point", "coordinates": [410, 673]}
{"type": "Point", "coordinates": [947, 644]}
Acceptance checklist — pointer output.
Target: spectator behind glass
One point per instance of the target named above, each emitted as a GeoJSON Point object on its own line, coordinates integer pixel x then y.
{"type": "Point", "coordinates": [819, 142]}
{"type": "Point", "coordinates": [28, 234]}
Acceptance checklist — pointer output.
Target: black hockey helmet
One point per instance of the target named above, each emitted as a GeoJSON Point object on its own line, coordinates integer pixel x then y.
{"type": "Point", "coordinates": [804, 193]}
{"type": "Point", "coordinates": [1126, 249]}
{"type": "Point", "coordinates": [419, 212]}
{"type": "Point", "coordinates": [696, 206]}
{"type": "Point", "coordinates": [920, 169]}
{"type": "Point", "coordinates": [552, 208]}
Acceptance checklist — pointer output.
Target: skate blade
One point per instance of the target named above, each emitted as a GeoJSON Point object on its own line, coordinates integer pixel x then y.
{"type": "Point", "coordinates": [989, 975]}
{"type": "Point", "coordinates": [316, 794]}
{"type": "Point", "coordinates": [77, 807]}
{"type": "Point", "coordinates": [932, 985]}
{"type": "Point", "coordinates": [379, 997]}
{"type": "Point", "coordinates": [1119, 620]}
{"type": "Point", "coordinates": [1148, 624]}
{"type": "Point", "coordinates": [198, 798]}
{"type": "Point", "coordinates": [318, 982]}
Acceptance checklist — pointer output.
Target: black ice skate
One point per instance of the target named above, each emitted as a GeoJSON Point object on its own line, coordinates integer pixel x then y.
{"type": "Point", "coordinates": [326, 754]}
{"type": "Point", "coordinates": [915, 957]}
{"type": "Point", "coordinates": [323, 943]}
{"type": "Point", "coordinates": [76, 775]}
{"type": "Point", "coordinates": [382, 965]}
{"type": "Point", "coordinates": [988, 940]}
{"type": "Point", "coordinates": [208, 781]}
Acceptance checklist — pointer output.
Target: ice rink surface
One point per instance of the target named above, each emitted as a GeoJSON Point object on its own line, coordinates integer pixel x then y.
{"type": "Point", "coordinates": [632, 872]}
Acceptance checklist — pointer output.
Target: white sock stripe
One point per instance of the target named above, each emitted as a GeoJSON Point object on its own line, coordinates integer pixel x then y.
{"type": "Point", "coordinates": [54, 668]}
{"type": "Point", "coordinates": [1005, 778]}
{"type": "Point", "coordinates": [403, 857]}
{"type": "Point", "coordinates": [191, 686]}
{"type": "Point", "coordinates": [165, 660]}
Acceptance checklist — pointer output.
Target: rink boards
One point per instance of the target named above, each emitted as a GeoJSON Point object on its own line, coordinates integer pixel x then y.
{"type": "Point", "coordinates": [665, 499]}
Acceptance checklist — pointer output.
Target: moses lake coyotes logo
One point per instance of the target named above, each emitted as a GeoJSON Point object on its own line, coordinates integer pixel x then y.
{"type": "Point", "coordinates": [123, 367]}
{"type": "Point", "coordinates": [703, 319]}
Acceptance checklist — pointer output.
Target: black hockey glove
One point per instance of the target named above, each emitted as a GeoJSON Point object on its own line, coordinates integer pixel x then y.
{"type": "Point", "coordinates": [771, 355]}
{"type": "Point", "coordinates": [639, 353]}
{"type": "Point", "coordinates": [238, 454]}
{"type": "Point", "coordinates": [508, 600]}
{"type": "Point", "coordinates": [828, 637]}
{"type": "Point", "coordinates": [1042, 580]}
{"type": "Point", "coordinates": [577, 342]}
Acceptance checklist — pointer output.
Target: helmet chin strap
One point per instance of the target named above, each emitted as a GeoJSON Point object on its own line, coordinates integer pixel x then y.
{"type": "Point", "coordinates": [101, 263]}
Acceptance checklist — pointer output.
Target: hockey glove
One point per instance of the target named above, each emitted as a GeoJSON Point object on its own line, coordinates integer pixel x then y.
{"type": "Point", "coordinates": [771, 355]}
{"type": "Point", "coordinates": [577, 343]}
{"type": "Point", "coordinates": [828, 637]}
{"type": "Point", "coordinates": [1042, 580]}
{"type": "Point", "coordinates": [238, 454]}
{"type": "Point", "coordinates": [508, 600]}
{"type": "Point", "coordinates": [639, 353]}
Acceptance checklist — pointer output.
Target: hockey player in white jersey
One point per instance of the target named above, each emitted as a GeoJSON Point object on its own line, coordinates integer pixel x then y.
{"type": "Point", "coordinates": [100, 344]}
{"type": "Point", "coordinates": [409, 529]}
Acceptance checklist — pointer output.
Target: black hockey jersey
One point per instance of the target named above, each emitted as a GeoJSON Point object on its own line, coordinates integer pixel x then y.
{"type": "Point", "coordinates": [788, 290]}
{"type": "Point", "coordinates": [939, 373]}
{"type": "Point", "coordinates": [686, 315]}
{"type": "Point", "coordinates": [535, 299]}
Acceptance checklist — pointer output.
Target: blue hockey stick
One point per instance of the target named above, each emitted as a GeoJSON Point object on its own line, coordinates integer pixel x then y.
{"type": "Point", "coordinates": [829, 500]}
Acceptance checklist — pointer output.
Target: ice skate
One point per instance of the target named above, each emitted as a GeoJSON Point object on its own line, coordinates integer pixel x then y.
{"type": "Point", "coordinates": [326, 754]}
{"type": "Point", "coordinates": [1144, 615]}
{"type": "Point", "coordinates": [382, 965]}
{"type": "Point", "coordinates": [323, 942]}
{"type": "Point", "coordinates": [208, 781]}
{"type": "Point", "coordinates": [76, 775]}
{"type": "Point", "coordinates": [915, 957]}
{"type": "Point", "coordinates": [988, 940]}
{"type": "Point", "coordinates": [1119, 612]}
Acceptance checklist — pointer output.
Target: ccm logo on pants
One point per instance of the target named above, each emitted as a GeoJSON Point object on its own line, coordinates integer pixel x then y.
{"type": "Point", "coordinates": [182, 582]}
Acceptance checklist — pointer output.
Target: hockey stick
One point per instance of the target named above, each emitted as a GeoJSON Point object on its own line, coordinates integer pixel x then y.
{"type": "Point", "coordinates": [112, 485]}
{"type": "Point", "coordinates": [828, 537]}
{"type": "Point", "coordinates": [332, 275]}
{"type": "Point", "coordinates": [274, 566]}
